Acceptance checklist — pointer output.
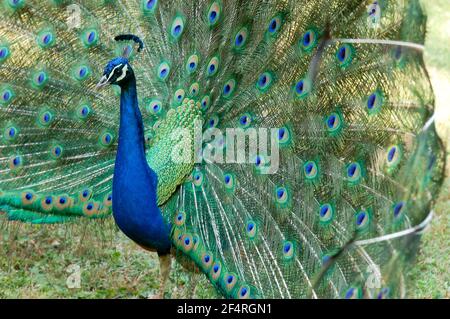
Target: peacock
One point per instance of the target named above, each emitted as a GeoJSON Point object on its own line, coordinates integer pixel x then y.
{"type": "Point", "coordinates": [285, 148]}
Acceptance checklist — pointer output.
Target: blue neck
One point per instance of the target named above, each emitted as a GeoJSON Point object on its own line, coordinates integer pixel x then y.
{"type": "Point", "coordinates": [131, 131]}
{"type": "Point", "coordinates": [135, 208]}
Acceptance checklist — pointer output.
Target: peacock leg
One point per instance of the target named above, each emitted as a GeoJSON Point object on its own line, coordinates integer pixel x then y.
{"type": "Point", "coordinates": [165, 262]}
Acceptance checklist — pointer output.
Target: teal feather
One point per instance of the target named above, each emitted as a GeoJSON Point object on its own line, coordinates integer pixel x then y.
{"type": "Point", "coordinates": [359, 158]}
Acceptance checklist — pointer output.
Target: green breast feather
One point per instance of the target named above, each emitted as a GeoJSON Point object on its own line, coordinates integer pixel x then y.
{"type": "Point", "coordinates": [171, 152]}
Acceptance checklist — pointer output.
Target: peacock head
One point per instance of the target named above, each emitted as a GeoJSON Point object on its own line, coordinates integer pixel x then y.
{"type": "Point", "coordinates": [118, 71]}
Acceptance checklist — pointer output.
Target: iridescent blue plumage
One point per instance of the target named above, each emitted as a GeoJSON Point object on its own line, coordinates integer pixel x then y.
{"type": "Point", "coordinates": [135, 207]}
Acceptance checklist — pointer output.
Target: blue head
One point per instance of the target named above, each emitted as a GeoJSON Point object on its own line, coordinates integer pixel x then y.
{"type": "Point", "coordinates": [117, 71]}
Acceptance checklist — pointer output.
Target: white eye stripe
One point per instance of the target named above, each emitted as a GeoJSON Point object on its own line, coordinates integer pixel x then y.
{"type": "Point", "coordinates": [112, 72]}
{"type": "Point", "coordinates": [124, 73]}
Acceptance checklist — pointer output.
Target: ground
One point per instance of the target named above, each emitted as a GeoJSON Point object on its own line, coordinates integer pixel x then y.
{"type": "Point", "coordinates": [43, 260]}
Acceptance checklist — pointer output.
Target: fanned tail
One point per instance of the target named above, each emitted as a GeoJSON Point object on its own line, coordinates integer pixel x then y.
{"type": "Point", "coordinates": [339, 86]}
{"type": "Point", "coordinates": [59, 135]}
{"type": "Point", "coordinates": [343, 83]}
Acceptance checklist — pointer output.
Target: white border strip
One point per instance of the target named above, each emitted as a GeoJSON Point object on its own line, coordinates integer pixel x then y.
{"type": "Point", "coordinates": [416, 229]}
{"type": "Point", "coordinates": [412, 45]}
{"type": "Point", "coordinates": [429, 122]}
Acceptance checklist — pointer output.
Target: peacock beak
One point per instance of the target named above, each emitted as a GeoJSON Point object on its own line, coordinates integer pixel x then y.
{"type": "Point", "coordinates": [103, 82]}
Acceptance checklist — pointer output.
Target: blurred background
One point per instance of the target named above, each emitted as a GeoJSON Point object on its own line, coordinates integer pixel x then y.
{"type": "Point", "coordinates": [430, 278]}
{"type": "Point", "coordinates": [99, 262]}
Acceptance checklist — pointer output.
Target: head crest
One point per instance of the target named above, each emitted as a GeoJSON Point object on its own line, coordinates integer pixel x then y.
{"type": "Point", "coordinates": [129, 37]}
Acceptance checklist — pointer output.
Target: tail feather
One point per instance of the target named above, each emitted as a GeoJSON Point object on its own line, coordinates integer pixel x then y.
{"type": "Point", "coordinates": [342, 83]}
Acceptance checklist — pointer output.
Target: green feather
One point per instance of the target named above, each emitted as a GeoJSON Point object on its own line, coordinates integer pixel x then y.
{"type": "Point", "coordinates": [356, 160]}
